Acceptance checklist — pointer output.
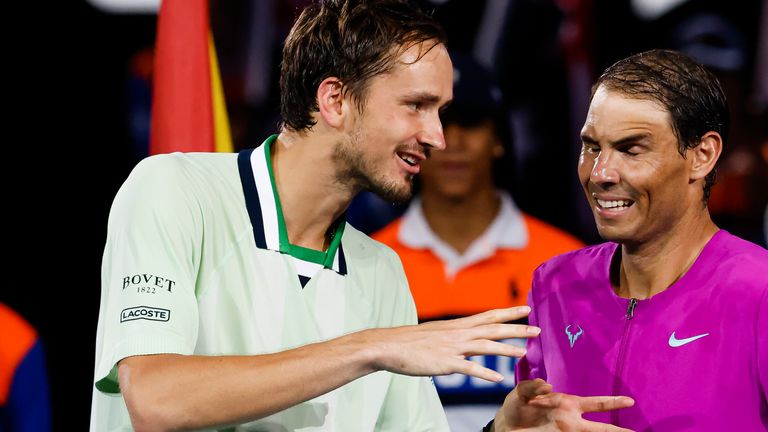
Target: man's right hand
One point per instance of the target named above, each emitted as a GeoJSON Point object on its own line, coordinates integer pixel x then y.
{"type": "Point", "coordinates": [533, 407]}
{"type": "Point", "coordinates": [442, 347]}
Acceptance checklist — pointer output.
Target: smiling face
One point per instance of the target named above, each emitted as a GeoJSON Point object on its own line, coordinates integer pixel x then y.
{"type": "Point", "coordinates": [399, 125]}
{"type": "Point", "coordinates": [636, 181]}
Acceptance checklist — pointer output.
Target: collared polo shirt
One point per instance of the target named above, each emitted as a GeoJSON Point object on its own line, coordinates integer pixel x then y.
{"type": "Point", "coordinates": [197, 262]}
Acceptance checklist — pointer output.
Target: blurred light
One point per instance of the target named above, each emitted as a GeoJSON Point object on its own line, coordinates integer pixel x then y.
{"type": "Point", "coordinates": [653, 9]}
{"type": "Point", "coordinates": [126, 6]}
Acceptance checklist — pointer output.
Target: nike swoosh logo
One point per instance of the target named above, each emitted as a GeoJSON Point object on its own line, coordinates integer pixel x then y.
{"type": "Point", "coordinates": [675, 342]}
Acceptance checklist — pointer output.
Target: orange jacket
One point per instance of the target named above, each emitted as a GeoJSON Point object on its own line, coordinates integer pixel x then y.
{"type": "Point", "coordinates": [500, 281]}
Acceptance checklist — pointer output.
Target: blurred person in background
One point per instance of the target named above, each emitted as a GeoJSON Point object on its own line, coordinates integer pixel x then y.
{"type": "Point", "coordinates": [24, 400]}
{"type": "Point", "coordinates": [464, 244]}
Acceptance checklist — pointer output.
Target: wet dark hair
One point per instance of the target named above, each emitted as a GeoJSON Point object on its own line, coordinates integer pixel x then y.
{"type": "Point", "coordinates": [690, 93]}
{"type": "Point", "coordinates": [353, 40]}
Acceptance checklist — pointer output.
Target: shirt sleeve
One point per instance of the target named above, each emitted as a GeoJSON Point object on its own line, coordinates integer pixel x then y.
{"type": "Point", "coordinates": [149, 268]}
{"type": "Point", "coordinates": [531, 366]}
{"type": "Point", "coordinates": [411, 403]}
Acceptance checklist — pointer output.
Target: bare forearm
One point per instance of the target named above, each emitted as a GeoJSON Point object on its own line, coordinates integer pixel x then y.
{"type": "Point", "coordinates": [174, 392]}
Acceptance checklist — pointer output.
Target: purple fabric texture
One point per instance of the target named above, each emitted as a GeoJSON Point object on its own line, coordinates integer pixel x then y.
{"type": "Point", "coordinates": [694, 357]}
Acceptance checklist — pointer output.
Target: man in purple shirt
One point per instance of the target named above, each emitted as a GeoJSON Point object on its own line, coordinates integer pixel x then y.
{"type": "Point", "coordinates": [672, 311]}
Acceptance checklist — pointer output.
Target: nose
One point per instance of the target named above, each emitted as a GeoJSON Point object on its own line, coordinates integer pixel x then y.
{"type": "Point", "coordinates": [604, 172]}
{"type": "Point", "coordinates": [431, 134]}
{"type": "Point", "coordinates": [454, 137]}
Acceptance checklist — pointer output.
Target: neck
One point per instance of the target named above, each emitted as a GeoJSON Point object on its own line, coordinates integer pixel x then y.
{"type": "Point", "coordinates": [310, 197]}
{"type": "Point", "coordinates": [459, 232]}
{"type": "Point", "coordinates": [649, 268]}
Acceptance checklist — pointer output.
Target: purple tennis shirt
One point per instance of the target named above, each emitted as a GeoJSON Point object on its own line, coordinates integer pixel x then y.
{"type": "Point", "coordinates": [694, 357]}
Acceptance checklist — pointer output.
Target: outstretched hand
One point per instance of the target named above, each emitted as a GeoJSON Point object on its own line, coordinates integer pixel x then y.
{"type": "Point", "coordinates": [533, 406]}
{"type": "Point", "coordinates": [442, 347]}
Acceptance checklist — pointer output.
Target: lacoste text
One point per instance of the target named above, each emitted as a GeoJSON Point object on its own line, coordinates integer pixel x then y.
{"type": "Point", "coordinates": [145, 312]}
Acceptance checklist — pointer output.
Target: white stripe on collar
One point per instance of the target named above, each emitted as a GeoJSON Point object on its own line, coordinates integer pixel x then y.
{"type": "Point", "coordinates": [268, 206]}
{"type": "Point", "coordinates": [266, 198]}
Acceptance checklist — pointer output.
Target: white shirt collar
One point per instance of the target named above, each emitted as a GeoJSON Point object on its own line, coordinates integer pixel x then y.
{"type": "Point", "coordinates": [264, 209]}
{"type": "Point", "coordinates": [507, 230]}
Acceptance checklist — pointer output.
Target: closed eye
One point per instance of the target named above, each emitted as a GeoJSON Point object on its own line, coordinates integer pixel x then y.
{"type": "Point", "coordinates": [631, 149]}
{"type": "Point", "coordinates": [589, 144]}
{"type": "Point", "coordinates": [633, 145]}
{"type": "Point", "coordinates": [590, 147]}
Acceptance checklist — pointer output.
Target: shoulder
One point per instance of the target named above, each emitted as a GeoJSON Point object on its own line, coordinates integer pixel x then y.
{"type": "Point", "coordinates": [168, 178]}
{"type": "Point", "coordinates": [175, 189]}
{"type": "Point", "coordinates": [362, 247]}
{"type": "Point", "coordinates": [584, 263]}
{"type": "Point", "coordinates": [186, 167]}
{"type": "Point", "coordinates": [728, 245]}
{"type": "Point", "coordinates": [742, 263]}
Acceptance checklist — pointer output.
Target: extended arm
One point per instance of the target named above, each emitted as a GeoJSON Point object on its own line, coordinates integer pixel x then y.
{"type": "Point", "coordinates": [175, 392]}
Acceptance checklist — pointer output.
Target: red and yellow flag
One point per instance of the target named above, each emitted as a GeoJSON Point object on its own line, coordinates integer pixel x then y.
{"type": "Point", "coordinates": [188, 109]}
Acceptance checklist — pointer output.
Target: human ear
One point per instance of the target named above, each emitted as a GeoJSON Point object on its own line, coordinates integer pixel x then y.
{"type": "Point", "coordinates": [705, 155]}
{"type": "Point", "coordinates": [330, 101]}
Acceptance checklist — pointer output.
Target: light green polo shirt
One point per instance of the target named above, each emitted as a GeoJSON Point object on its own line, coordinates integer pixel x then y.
{"type": "Point", "coordinates": [197, 261]}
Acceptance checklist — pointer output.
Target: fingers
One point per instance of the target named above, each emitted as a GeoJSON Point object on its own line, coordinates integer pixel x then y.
{"type": "Point", "coordinates": [527, 390]}
{"type": "Point", "coordinates": [471, 368]}
{"type": "Point", "coordinates": [590, 426]}
{"type": "Point", "coordinates": [604, 403]}
{"type": "Point", "coordinates": [490, 324]}
{"type": "Point", "coordinates": [503, 331]}
{"type": "Point", "coordinates": [487, 347]}
{"type": "Point", "coordinates": [584, 404]}
{"type": "Point", "coordinates": [495, 316]}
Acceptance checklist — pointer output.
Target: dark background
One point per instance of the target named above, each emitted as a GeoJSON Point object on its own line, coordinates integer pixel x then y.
{"type": "Point", "coordinates": [72, 99]}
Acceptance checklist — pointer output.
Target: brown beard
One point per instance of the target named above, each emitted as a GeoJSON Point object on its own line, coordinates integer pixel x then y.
{"type": "Point", "coordinates": [359, 174]}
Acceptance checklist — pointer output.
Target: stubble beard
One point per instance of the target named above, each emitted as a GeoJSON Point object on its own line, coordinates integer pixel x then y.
{"type": "Point", "coordinates": [361, 174]}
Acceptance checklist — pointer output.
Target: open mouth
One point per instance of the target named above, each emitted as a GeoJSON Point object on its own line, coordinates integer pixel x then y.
{"type": "Point", "coordinates": [614, 204]}
{"type": "Point", "coordinates": [407, 158]}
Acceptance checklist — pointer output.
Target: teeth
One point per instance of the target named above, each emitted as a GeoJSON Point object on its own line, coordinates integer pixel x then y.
{"type": "Point", "coordinates": [408, 159]}
{"type": "Point", "coordinates": [614, 204]}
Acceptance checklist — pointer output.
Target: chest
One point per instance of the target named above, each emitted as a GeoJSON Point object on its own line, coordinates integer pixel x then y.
{"type": "Point", "coordinates": [256, 304]}
{"type": "Point", "coordinates": [680, 360]}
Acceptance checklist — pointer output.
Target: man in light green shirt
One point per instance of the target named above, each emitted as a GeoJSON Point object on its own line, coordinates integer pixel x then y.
{"type": "Point", "coordinates": [234, 296]}
{"type": "Point", "coordinates": [198, 263]}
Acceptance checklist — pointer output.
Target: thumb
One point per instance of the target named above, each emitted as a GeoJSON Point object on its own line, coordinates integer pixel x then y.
{"type": "Point", "coordinates": [527, 390]}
